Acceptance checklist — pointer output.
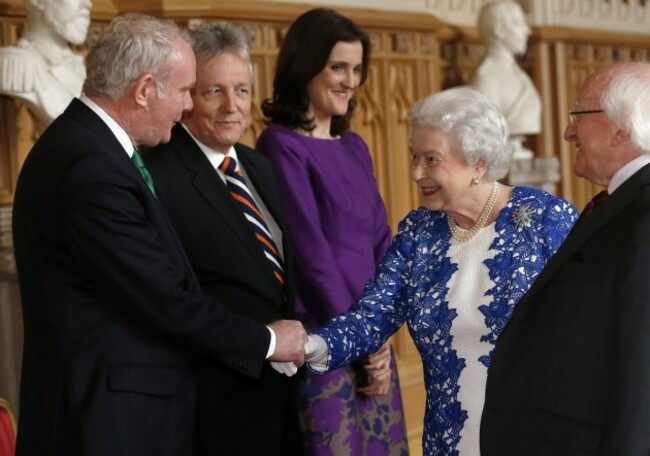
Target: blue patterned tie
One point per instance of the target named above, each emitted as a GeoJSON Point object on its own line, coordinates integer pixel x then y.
{"type": "Point", "coordinates": [242, 195]}
{"type": "Point", "coordinates": [139, 163]}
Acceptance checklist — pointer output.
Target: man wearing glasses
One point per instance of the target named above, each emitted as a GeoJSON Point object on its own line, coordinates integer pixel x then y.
{"type": "Point", "coordinates": [570, 372]}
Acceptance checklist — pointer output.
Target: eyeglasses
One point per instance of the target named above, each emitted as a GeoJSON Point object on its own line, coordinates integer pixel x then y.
{"type": "Point", "coordinates": [573, 115]}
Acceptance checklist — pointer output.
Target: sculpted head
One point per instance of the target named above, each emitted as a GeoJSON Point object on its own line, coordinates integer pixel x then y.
{"type": "Point", "coordinates": [69, 19]}
{"type": "Point", "coordinates": [502, 23]}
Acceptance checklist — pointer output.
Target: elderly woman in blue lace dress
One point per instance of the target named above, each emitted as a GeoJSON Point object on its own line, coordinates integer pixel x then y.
{"type": "Point", "coordinates": [457, 267]}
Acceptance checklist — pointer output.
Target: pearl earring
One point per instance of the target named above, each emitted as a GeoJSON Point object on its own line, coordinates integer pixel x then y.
{"type": "Point", "coordinates": [476, 181]}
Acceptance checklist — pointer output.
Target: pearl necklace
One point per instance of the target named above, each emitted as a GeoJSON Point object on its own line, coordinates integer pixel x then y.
{"type": "Point", "coordinates": [465, 235]}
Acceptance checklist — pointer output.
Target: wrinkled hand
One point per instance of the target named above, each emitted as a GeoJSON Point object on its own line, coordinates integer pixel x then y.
{"type": "Point", "coordinates": [377, 366]}
{"type": "Point", "coordinates": [290, 342]}
{"type": "Point", "coordinates": [379, 359]}
{"type": "Point", "coordinates": [378, 386]}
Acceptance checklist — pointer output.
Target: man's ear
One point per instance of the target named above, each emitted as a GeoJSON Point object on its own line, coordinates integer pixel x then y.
{"type": "Point", "coordinates": [621, 137]}
{"type": "Point", "coordinates": [144, 89]}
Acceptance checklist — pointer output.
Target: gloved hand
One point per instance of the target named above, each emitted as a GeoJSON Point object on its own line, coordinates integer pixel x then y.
{"type": "Point", "coordinates": [316, 351]}
{"type": "Point", "coordinates": [286, 368]}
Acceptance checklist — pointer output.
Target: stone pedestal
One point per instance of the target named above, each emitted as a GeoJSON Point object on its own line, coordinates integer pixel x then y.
{"type": "Point", "coordinates": [539, 172]}
{"type": "Point", "coordinates": [521, 152]}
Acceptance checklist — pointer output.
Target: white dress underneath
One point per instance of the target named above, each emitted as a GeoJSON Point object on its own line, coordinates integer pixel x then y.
{"type": "Point", "coordinates": [465, 290]}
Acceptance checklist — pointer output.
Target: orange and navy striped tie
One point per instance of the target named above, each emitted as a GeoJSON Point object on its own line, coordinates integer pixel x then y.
{"type": "Point", "coordinates": [242, 195]}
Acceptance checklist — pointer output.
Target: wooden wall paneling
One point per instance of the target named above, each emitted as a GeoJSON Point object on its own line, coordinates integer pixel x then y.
{"type": "Point", "coordinates": [541, 75]}
{"type": "Point", "coordinates": [579, 64]}
{"type": "Point", "coordinates": [11, 336]}
{"type": "Point", "coordinates": [371, 114]}
{"type": "Point", "coordinates": [15, 137]}
{"type": "Point", "coordinates": [561, 119]}
{"type": "Point", "coordinates": [7, 144]}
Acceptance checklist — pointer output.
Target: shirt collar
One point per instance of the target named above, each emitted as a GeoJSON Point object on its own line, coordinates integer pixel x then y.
{"type": "Point", "coordinates": [215, 157]}
{"type": "Point", "coordinates": [118, 131]}
{"type": "Point", "coordinates": [627, 171]}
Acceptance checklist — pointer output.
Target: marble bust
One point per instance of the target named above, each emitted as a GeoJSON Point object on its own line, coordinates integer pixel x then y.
{"type": "Point", "coordinates": [503, 28]}
{"type": "Point", "coordinates": [40, 69]}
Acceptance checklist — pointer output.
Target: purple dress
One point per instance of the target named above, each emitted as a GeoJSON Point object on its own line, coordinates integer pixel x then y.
{"type": "Point", "coordinates": [338, 225]}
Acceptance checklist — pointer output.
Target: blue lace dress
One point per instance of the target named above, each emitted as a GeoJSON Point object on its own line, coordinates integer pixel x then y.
{"type": "Point", "coordinates": [455, 298]}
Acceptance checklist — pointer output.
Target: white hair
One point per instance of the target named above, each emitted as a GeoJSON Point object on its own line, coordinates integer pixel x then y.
{"type": "Point", "coordinates": [474, 121]}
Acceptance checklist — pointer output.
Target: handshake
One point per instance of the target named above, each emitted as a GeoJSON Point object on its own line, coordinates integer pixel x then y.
{"type": "Point", "coordinates": [295, 345]}
{"type": "Point", "coordinates": [315, 354]}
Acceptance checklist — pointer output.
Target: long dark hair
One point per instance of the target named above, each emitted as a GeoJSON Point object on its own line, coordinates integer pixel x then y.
{"type": "Point", "coordinates": [304, 53]}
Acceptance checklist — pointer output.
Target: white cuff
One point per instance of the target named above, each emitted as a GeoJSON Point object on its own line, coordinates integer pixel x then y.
{"type": "Point", "coordinates": [271, 344]}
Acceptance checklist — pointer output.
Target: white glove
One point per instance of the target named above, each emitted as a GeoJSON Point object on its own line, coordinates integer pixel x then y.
{"type": "Point", "coordinates": [286, 368]}
{"type": "Point", "coordinates": [316, 352]}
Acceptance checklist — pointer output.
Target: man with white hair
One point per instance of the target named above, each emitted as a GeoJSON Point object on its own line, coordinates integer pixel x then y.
{"type": "Point", "coordinates": [570, 374]}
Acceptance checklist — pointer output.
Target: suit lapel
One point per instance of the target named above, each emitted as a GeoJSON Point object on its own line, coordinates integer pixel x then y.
{"type": "Point", "coordinates": [108, 143]}
{"type": "Point", "coordinates": [618, 201]}
{"type": "Point", "coordinates": [209, 185]}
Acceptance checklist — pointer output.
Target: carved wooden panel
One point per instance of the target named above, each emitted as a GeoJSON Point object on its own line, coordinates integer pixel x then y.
{"type": "Point", "coordinates": [15, 136]}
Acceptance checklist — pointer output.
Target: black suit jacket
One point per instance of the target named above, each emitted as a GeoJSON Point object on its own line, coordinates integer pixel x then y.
{"type": "Point", "coordinates": [114, 317]}
{"type": "Point", "coordinates": [237, 415]}
{"type": "Point", "coordinates": [570, 373]}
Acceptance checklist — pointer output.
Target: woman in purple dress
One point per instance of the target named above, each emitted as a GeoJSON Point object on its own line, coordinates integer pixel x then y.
{"type": "Point", "coordinates": [338, 224]}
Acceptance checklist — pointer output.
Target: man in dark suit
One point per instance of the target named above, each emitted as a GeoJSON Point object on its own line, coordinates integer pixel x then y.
{"type": "Point", "coordinates": [115, 320]}
{"type": "Point", "coordinates": [570, 373]}
{"type": "Point", "coordinates": [236, 415]}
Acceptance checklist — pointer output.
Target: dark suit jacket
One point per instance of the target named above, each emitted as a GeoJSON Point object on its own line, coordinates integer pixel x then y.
{"type": "Point", "coordinates": [114, 316]}
{"type": "Point", "coordinates": [570, 373]}
{"type": "Point", "coordinates": [237, 415]}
